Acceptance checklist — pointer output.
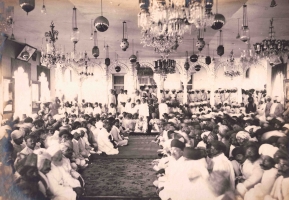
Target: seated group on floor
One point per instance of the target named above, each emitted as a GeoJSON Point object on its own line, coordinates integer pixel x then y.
{"type": "Point", "coordinates": [224, 154]}
{"type": "Point", "coordinates": [229, 153]}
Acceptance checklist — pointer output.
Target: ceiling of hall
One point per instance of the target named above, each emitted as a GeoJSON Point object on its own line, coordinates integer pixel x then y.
{"type": "Point", "coordinates": [31, 27]}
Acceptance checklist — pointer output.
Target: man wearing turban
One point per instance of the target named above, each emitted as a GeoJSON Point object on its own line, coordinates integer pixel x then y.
{"type": "Point", "coordinates": [264, 188]}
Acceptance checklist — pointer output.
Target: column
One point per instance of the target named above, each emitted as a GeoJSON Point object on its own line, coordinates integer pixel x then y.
{"type": "Point", "coordinates": [160, 85]}
{"type": "Point", "coordinates": [53, 79]}
{"type": "Point", "coordinates": [184, 78]}
{"type": "Point", "coordinates": [269, 79]}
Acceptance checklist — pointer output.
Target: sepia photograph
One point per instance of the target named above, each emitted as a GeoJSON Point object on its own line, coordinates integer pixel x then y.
{"type": "Point", "coordinates": [144, 100]}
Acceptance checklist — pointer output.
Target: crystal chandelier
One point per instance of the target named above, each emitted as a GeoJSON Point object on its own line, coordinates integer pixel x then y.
{"type": "Point", "coordinates": [248, 56]}
{"type": "Point", "coordinates": [165, 66]}
{"type": "Point", "coordinates": [164, 22]}
{"type": "Point", "coordinates": [6, 17]}
{"type": "Point", "coordinates": [51, 55]}
{"type": "Point", "coordinates": [231, 68]}
{"type": "Point", "coordinates": [86, 68]}
{"type": "Point", "coordinates": [274, 50]}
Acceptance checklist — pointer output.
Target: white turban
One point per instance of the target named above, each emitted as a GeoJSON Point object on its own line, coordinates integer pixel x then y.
{"type": "Point", "coordinates": [268, 150]}
{"type": "Point", "coordinates": [75, 131]}
{"type": "Point", "coordinates": [41, 156]}
{"type": "Point", "coordinates": [17, 134]}
{"type": "Point", "coordinates": [52, 150]}
{"type": "Point", "coordinates": [243, 135]}
{"type": "Point", "coordinates": [205, 134]}
{"type": "Point", "coordinates": [286, 126]}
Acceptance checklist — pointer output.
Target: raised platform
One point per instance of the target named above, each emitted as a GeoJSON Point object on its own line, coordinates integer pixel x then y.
{"type": "Point", "coordinates": [128, 175]}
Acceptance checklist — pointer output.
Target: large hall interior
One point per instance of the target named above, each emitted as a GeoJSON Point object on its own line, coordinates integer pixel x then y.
{"type": "Point", "coordinates": [144, 99]}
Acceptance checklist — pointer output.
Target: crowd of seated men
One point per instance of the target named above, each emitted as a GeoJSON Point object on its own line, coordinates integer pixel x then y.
{"type": "Point", "coordinates": [224, 152]}
{"type": "Point", "coordinates": [43, 155]}
{"type": "Point", "coordinates": [224, 148]}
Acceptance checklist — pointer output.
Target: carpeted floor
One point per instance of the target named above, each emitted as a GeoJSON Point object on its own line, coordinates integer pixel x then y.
{"type": "Point", "coordinates": [128, 175]}
{"type": "Point", "coordinates": [139, 146]}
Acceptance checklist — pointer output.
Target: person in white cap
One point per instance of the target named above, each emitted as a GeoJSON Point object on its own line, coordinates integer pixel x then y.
{"type": "Point", "coordinates": [111, 97]}
{"type": "Point", "coordinates": [59, 185]}
{"type": "Point", "coordinates": [264, 188]}
{"type": "Point", "coordinates": [127, 107]}
{"type": "Point", "coordinates": [17, 142]}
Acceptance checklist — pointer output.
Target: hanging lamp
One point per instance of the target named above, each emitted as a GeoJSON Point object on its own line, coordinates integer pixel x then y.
{"type": "Point", "coordinates": [91, 30]}
{"type": "Point", "coordinates": [75, 32]}
{"type": "Point", "coordinates": [95, 49]}
{"type": "Point", "coordinates": [107, 59]}
{"type": "Point", "coordinates": [27, 5]}
{"type": "Point", "coordinates": [124, 43]}
{"type": "Point", "coordinates": [117, 68]}
{"type": "Point", "coordinates": [238, 35]}
{"type": "Point", "coordinates": [187, 64]}
{"type": "Point", "coordinates": [43, 9]}
{"type": "Point", "coordinates": [133, 57]}
{"type": "Point", "coordinates": [219, 20]}
{"type": "Point", "coordinates": [208, 59]}
{"type": "Point", "coordinates": [200, 42]}
{"type": "Point", "coordinates": [137, 64]}
{"type": "Point", "coordinates": [245, 32]}
{"type": "Point", "coordinates": [194, 57]}
{"type": "Point", "coordinates": [221, 49]}
{"type": "Point", "coordinates": [101, 23]}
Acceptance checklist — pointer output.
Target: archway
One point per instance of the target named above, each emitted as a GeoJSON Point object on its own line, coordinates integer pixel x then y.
{"type": "Point", "coordinates": [22, 93]}
{"type": "Point", "coordinates": [44, 88]}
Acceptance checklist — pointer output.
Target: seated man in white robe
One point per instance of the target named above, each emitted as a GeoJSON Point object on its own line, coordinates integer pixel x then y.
{"type": "Point", "coordinates": [115, 132]}
{"type": "Point", "coordinates": [104, 140]}
{"type": "Point", "coordinates": [79, 159]}
{"type": "Point", "coordinates": [264, 188]}
{"type": "Point", "coordinates": [167, 183]}
{"type": "Point", "coordinates": [59, 186]}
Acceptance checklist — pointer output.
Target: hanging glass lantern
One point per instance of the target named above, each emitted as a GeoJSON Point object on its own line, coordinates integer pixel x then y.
{"type": "Point", "coordinates": [245, 32]}
{"type": "Point", "coordinates": [200, 42]}
{"type": "Point", "coordinates": [133, 58]}
{"type": "Point", "coordinates": [124, 43]}
{"type": "Point", "coordinates": [107, 59]}
{"type": "Point", "coordinates": [198, 67]}
{"type": "Point", "coordinates": [209, 5]}
{"type": "Point", "coordinates": [194, 57]}
{"type": "Point", "coordinates": [187, 64]}
{"type": "Point", "coordinates": [208, 59]}
{"type": "Point", "coordinates": [43, 9]}
{"type": "Point", "coordinates": [75, 32]}
{"type": "Point", "coordinates": [101, 23]}
{"type": "Point", "coordinates": [219, 20]}
{"type": "Point", "coordinates": [221, 49]}
{"type": "Point", "coordinates": [117, 69]}
{"type": "Point", "coordinates": [27, 5]}
{"type": "Point", "coordinates": [95, 49]}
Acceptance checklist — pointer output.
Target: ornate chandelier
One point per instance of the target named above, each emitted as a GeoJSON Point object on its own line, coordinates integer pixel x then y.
{"type": "Point", "coordinates": [51, 55]}
{"type": "Point", "coordinates": [274, 50]}
{"type": "Point", "coordinates": [164, 22]}
{"type": "Point", "coordinates": [231, 68]}
{"type": "Point", "coordinates": [165, 66]}
{"type": "Point", "coordinates": [86, 68]}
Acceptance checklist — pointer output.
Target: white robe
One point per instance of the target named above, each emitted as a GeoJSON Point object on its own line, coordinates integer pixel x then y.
{"type": "Point", "coordinates": [264, 188]}
{"type": "Point", "coordinates": [144, 110]}
{"type": "Point", "coordinates": [163, 108]}
{"type": "Point", "coordinates": [104, 143]}
{"type": "Point", "coordinates": [222, 163]}
{"type": "Point", "coordinates": [252, 173]}
{"type": "Point", "coordinates": [280, 190]}
{"type": "Point", "coordinates": [58, 185]}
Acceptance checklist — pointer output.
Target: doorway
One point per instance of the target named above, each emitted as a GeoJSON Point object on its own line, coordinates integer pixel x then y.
{"type": "Point", "coordinates": [118, 83]}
